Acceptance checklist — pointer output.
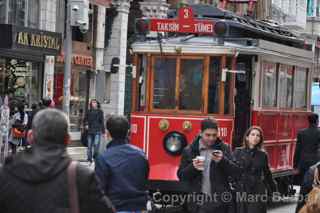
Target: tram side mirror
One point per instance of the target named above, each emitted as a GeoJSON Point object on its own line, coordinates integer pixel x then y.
{"type": "Point", "coordinates": [224, 75]}
{"type": "Point", "coordinates": [114, 68]}
{"type": "Point", "coordinates": [221, 29]}
{"type": "Point", "coordinates": [225, 70]}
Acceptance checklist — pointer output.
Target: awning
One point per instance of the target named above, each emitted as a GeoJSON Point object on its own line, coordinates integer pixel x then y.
{"type": "Point", "coordinates": [105, 3]}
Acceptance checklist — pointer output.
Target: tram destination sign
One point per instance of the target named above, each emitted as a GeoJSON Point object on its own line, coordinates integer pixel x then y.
{"type": "Point", "coordinates": [185, 23]}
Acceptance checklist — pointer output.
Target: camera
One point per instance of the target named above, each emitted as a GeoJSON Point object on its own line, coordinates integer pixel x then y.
{"type": "Point", "coordinates": [75, 8]}
{"type": "Point", "coordinates": [83, 27]}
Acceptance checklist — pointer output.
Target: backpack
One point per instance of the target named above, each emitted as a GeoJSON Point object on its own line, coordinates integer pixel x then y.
{"type": "Point", "coordinates": [313, 201]}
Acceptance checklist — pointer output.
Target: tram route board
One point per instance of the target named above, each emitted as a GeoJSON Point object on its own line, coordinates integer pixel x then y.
{"type": "Point", "coordinates": [185, 23]}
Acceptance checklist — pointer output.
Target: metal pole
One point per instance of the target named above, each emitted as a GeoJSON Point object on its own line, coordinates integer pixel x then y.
{"type": "Point", "coordinates": [68, 57]}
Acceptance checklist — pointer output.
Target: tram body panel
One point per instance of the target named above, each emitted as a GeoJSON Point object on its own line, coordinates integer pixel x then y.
{"type": "Point", "coordinates": [280, 131]}
{"type": "Point", "coordinates": [164, 166]}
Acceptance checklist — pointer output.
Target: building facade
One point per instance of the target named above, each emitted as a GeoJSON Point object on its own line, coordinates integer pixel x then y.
{"type": "Point", "coordinates": [25, 58]}
{"type": "Point", "coordinates": [86, 63]}
{"type": "Point", "coordinates": [313, 32]}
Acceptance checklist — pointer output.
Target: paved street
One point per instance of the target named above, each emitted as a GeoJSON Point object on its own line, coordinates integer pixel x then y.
{"type": "Point", "coordinates": [283, 208]}
{"type": "Point", "coordinates": [287, 206]}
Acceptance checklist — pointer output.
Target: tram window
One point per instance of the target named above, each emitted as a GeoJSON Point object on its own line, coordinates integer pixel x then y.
{"type": "Point", "coordinates": [190, 91]}
{"type": "Point", "coordinates": [142, 83]}
{"type": "Point", "coordinates": [269, 97]}
{"type": "Point", "coordinates": [213, 90]}
{"type": "Point", "coordinates": [164, 85]}
{"type": "Point", "coordinates": [227, 87]}
{"type": "Point", "coordinates": [300, 87]}
{"type": "Point", "coordinates": [285, 86]}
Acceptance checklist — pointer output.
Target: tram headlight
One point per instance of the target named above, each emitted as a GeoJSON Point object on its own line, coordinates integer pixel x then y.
{"type": "Point", "coordinates": [174, 143]}
{"type": "Point", "coordinates": [220, 28]}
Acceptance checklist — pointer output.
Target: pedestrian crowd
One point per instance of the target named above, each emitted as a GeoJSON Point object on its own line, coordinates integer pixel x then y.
{"type": "Point", "coordinates": [20, 122]}
{"type": "Point", "coordinates": [43, 178]}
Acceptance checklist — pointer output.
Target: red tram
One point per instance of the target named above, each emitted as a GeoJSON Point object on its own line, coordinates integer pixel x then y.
{"type": "Point", "coordinates": [239, 71]}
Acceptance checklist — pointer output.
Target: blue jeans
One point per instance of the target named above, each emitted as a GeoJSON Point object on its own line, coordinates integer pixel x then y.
{"type": "Point", "coordinates": [93, 145]}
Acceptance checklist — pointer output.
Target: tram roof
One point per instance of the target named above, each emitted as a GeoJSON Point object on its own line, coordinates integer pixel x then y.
{"type": "Point", "coordinates": [246, 26]}
{"type": "Point", "coordinates": [207, 45]}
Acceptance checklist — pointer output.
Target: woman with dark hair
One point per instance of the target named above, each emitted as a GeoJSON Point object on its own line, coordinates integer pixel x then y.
{"type": "Point", "coordinates": [94, 125]}
{"type": "Point", "coordinates": [255, 180]}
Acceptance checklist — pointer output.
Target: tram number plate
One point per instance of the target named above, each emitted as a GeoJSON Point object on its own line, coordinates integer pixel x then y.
{"type": "Point", "coordinates": [134, 128]}
{"type": "Point", "coordinates": [223, 132]}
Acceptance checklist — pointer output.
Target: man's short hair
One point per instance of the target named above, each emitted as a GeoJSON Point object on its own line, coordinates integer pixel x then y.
{"type": "Point", "coordinates": [313, 118]}
{"type": "Point", "coordinates": [50, 126]}
{"type": "Point", "coordinates": [209, 123]}
{"type": "Point", "coordinates": [118, 126]}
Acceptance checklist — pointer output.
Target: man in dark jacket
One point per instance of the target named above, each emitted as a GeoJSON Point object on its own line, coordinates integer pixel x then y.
{"type": "Point", "coordinates": [123, 169]}
{"type": "Point", "coordinates": [35, 180]}
{"type": "Point", "coordinates": [306, 186]}
{"type": "Point", "coordinates": [210, 176]}
{"type": "Point", "coordinates": [307, 151]}
{"type": "Point", "coordinates": [94, 124]}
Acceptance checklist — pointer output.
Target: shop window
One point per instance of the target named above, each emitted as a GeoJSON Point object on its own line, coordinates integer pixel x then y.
{"type": "Point", "coordinates": [190, 85]}
{"type": "Point", "coordinates": [285, 86]}
{"type": "Point", "coordinates": [214, 79]}
{"type": "Point", "coordinates": [300, 87]}
{"type": "Point", "coordinates": [21, 80]}
{"type": "Point", "coordinates": [269, 89]}
{"type": "Point", "coordinates": [164, 85]}
{"type": "Point", "coordinates": [35, 84]}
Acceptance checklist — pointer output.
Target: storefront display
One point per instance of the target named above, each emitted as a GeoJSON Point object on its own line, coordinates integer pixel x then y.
{"type": "Point", "coordinates": [22, 56]}
{"type": "Point", "coordinates": [21, 80]}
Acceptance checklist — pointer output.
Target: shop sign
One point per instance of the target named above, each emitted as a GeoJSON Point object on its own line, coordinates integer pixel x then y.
{"type": "Point", "coordinates": [185, 23]}
{"type": "Point", "coordinates": [28, 40]}
{"type": "Point", "coordinates": [81, 60]}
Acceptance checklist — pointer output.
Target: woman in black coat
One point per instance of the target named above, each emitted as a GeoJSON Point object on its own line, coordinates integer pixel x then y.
{"type": "Point", "coordinates": [255, 181]}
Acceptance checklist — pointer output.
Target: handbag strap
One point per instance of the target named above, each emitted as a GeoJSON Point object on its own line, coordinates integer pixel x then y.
{"type": "Point", "coordinates": [72, 187]}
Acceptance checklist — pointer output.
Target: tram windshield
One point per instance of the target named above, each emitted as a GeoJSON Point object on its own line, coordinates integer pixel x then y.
{"type": "Point", "coordinates": [184, 83]}
{"type": "Point", "coordinates": [164, 83]}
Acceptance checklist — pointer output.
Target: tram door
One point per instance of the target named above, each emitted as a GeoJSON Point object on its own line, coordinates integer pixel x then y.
{"type": "Point", "coordinates": [242, 99]}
